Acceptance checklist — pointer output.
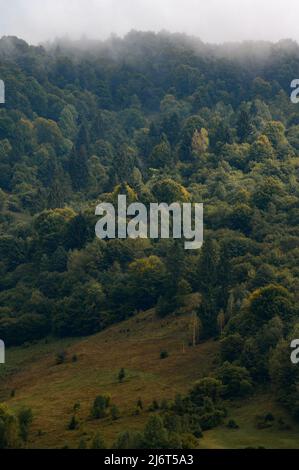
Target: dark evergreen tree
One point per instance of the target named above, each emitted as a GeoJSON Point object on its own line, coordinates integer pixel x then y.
{"type": "Point", "coordinates": [77, 233]}
{"type": "Point", "coordinates": [209, 288]}
{"type": "Point", "coordinates": [171, 127]}
{"type": "Point", "coordinates": [83, 137]}
{"type": "Point", "coordinates": [78, 168]}
{"type": "Point", "coordinates": [244, 125]}
{"type": "Point", "coordinates": [57, 191]}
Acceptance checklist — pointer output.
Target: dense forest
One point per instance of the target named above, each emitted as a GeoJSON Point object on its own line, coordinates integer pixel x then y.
{"type": "Point", "coordinates": [157, 117]}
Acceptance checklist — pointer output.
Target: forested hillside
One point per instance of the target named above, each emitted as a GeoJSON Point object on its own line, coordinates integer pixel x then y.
{"type": "Point", "coordinates": [157, 117]}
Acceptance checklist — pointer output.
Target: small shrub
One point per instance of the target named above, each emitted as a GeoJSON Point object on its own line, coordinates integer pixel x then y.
{"type": "Point", "coordinates": [154, 406]}
{"type": "Point", "coordinates": [73, 424]}
{"type": "Point", "coordinates": [232, 424]}
{"type": "Point", "coordinates": [115, 413]}
{"type": "Point", "coordinates": [164, 355]}
{"type": "Point", "coordinates": [269, 417]}
{"type": "Point", "coordinates": [60, 357]}
{"type": "Point", "coordinates": [121, 375]}
{"type": "Point", "coordinates": [140, 404]}
{"type": "Point", "coordinates": [100, 406]}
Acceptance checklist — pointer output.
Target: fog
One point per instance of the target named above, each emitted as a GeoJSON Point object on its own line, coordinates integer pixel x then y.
{"type": "Point", "coordinates": [211, 20]}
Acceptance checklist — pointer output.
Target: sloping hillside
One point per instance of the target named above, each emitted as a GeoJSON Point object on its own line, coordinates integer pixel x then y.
{"type": "Point", "coordinates": [51, 390]}
{"type": "Point", "coordinates": [32, 378]}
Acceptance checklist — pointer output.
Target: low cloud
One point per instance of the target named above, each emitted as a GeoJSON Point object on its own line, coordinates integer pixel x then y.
{"type": "Point", "coordinates": [211, 20]}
